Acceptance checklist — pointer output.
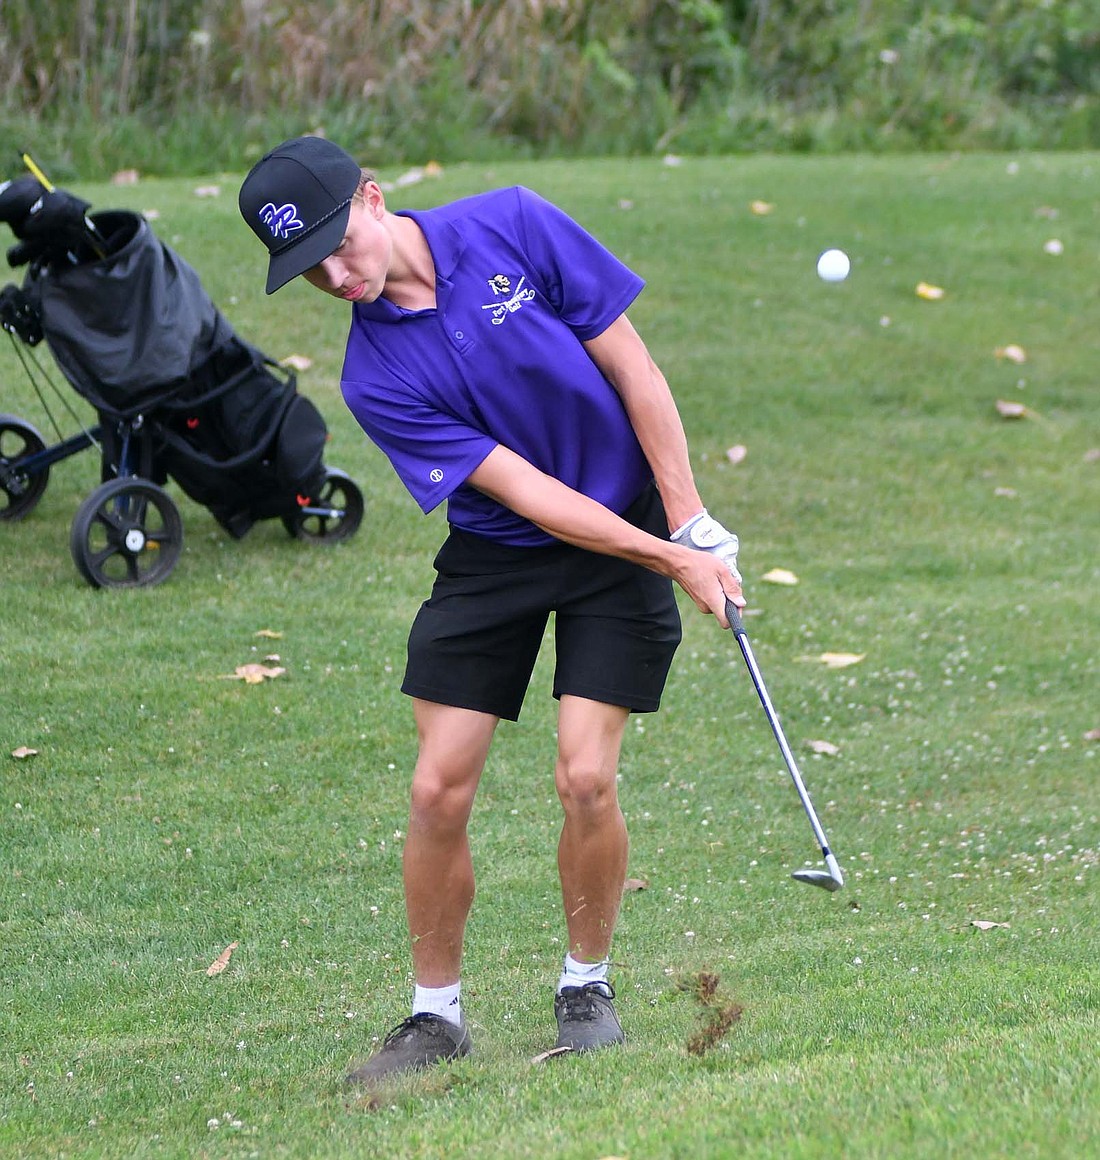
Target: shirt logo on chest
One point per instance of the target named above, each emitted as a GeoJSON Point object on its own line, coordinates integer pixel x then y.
{"type": "Point", "coordinates": [506, 301]}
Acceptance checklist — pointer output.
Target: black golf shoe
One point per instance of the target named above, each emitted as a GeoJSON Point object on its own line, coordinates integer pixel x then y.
{"type": "Point", "coordinates": [416, 1043]}
{"type": "Point", "coordinates": [586, 1017]}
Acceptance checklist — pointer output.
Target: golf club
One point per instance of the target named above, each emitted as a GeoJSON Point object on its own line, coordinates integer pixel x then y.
{"type": "Point", "coordinates": [93, 237]}
{"type": "Point", "coordinates": [830, 879]}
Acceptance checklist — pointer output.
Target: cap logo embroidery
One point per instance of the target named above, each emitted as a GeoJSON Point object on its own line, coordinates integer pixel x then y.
{"type": "Point", "coordinates": [282, 221]}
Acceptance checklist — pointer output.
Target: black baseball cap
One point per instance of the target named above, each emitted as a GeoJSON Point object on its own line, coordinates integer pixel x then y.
{"type": "Point", "coordinates": [297, 199]}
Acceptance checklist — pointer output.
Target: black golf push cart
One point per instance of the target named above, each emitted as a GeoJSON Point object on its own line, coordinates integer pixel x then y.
{"type": "Point", "coordinates": [176, 394]}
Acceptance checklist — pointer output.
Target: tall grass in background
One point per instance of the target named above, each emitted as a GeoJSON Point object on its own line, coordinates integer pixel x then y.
{"type": "Point", "coordinates": [171, 86]}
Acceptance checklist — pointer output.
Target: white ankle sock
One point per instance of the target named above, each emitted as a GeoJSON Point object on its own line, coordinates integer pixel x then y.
{"type": "Point", "coordinates": [575, 974]}
{"type": "Point", "coordinates": [442, 1001]}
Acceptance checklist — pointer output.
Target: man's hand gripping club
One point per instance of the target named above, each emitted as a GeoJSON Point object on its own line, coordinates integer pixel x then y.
{"type": "Point", "coordinates": [703, 533]}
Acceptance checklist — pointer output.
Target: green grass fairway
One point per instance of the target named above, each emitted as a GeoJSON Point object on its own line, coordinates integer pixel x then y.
{"type": "Point", "coordinates": [169, 812]}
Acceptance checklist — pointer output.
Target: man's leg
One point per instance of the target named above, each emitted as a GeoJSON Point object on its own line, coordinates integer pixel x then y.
{"type": "Point", "coordinates": [592, 851]}
{"type": "Point", "coordinates": [592, 854]}
{"type": "Point", "coordinates": [439, 887]}
{"type": "Point", "coordinates": [439, 874]}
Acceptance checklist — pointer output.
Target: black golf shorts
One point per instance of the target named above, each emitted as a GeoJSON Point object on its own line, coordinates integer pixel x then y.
{"type": "Point", "coordinates": [474, 642]}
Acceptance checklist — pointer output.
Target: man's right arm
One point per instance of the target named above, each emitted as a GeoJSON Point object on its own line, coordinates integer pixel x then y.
{"type": "Point", "coordinates": [576, 519]}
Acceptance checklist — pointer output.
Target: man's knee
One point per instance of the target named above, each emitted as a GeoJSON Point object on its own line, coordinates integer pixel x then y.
{"type": "Point", "coordinates": [586, 783]}
{"type": "Point", "coordinates": [454, 744]}
{"type": "Point", "coordinates": [441, 799]}
{"type": "Point", "coordinates": [589, 739]}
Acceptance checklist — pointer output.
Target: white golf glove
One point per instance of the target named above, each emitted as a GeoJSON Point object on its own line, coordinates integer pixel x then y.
{"type": "Point", "coordinates": [706, 534]}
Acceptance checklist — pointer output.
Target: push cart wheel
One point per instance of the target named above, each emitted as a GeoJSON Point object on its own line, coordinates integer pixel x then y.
{"type": "Point", "coordinates": [19, 490]}
{"type": "Point", "coordinates": [126, 534]}
{"type": "Point", "coordinates": [333, 513]}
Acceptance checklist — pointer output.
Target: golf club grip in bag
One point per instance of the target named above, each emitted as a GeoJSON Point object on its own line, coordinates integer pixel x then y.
{"type": "Point", "coordinates": [832, 879]}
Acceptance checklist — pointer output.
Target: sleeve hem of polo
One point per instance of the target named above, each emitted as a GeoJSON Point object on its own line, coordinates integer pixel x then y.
{"type": "Point", "coordinates": [616, 310]}
{"type": "Point", "coordinates": [455, 477]}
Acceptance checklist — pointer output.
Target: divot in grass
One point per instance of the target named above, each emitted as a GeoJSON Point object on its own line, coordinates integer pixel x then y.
{"type": "Point", "coordinates": [717, 1015]}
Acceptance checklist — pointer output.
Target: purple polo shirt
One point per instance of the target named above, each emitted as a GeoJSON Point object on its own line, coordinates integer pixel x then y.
{"type": "Point", "coordinates": [499, 361]}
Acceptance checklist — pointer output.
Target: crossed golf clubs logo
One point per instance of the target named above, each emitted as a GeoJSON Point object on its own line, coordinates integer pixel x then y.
{"type": "Point", "coordinates": [502, 284]}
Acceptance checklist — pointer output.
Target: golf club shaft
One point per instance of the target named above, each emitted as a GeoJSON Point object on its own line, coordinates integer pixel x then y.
{"type": "Point", "coordinates": [37, 173]}
{"type": "Point", "coordinates": [734, 617]}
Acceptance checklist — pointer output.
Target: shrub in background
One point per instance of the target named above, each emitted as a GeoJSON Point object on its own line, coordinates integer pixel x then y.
{"type": "Point", "coordinates": [173, 85]}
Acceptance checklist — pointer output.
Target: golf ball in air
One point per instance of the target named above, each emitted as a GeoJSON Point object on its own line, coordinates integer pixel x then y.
{"type": "Point", "coordinates": [833, 266]}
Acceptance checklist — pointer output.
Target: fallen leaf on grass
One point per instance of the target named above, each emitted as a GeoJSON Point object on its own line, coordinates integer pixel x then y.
{"type": "Point", "coordinates": [254, 674]}
{"type": "Point", "coordinates": [125, 177]}
{"type": "Point", "coordinates": [296, 362]}
{"type": "Point", "coordinates": [780, 576]}
{"type": "Point", "coordinates": [208, 191]}
{"type": "Point", "coordinates": [761, 208]}
{"type": "Point", "coordinates": [929, 292]}
{"type": "Point", "coordinates": [410, 177]}
{"type": "Point", "coordinates": [1013, 352]}
{"type": "Point", "coordinates": [270, 634]}
{"type": "Point", "coordinates": [543, 1056]}
{"type": "Point", "coordinates": [415, 175]}
{"type": "Point", "coordinates": [836, 660]}
{"type": "Point", "coordinates": [827, 748]}
{"type": "Point", "coordinates": [1091, 735]}
{"type": "Point", "coordinates": [981, 924]}
{"type": "Point", "coordinates": [1008, 409]}
{"type": "Point", "coordinates": [222, 961]}
{"type": "Point", "coordinates": [737, 453]}
{"type": "Point", "coordinates": [840, 660]}
{"type": "Point", "coordinates": [632, 885]}
{"type": "Point", "coordinates": [24, 751]}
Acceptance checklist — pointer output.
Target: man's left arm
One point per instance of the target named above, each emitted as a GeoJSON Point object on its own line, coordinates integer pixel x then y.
{"type": "Point", "coordinates": [625, 361]}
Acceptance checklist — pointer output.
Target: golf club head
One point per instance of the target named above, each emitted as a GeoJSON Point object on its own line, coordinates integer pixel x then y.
{"type": "Point", "coordinates": [820, 878]}
{"type": "Point", "coordinates": [830, 879]}
{"type": "Point", "coordinates": [17, 199]}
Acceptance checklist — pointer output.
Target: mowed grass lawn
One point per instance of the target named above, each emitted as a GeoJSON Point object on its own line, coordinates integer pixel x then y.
{"type": "Point", "coordinates": [943, 1004]}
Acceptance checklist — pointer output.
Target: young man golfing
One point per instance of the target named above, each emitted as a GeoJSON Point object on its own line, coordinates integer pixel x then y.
{"type": "Point", "coordinates": [490, 357]}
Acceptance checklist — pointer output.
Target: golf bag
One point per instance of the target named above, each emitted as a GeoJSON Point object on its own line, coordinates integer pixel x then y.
{"type": "Point", "coordinates": [177, 394]}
